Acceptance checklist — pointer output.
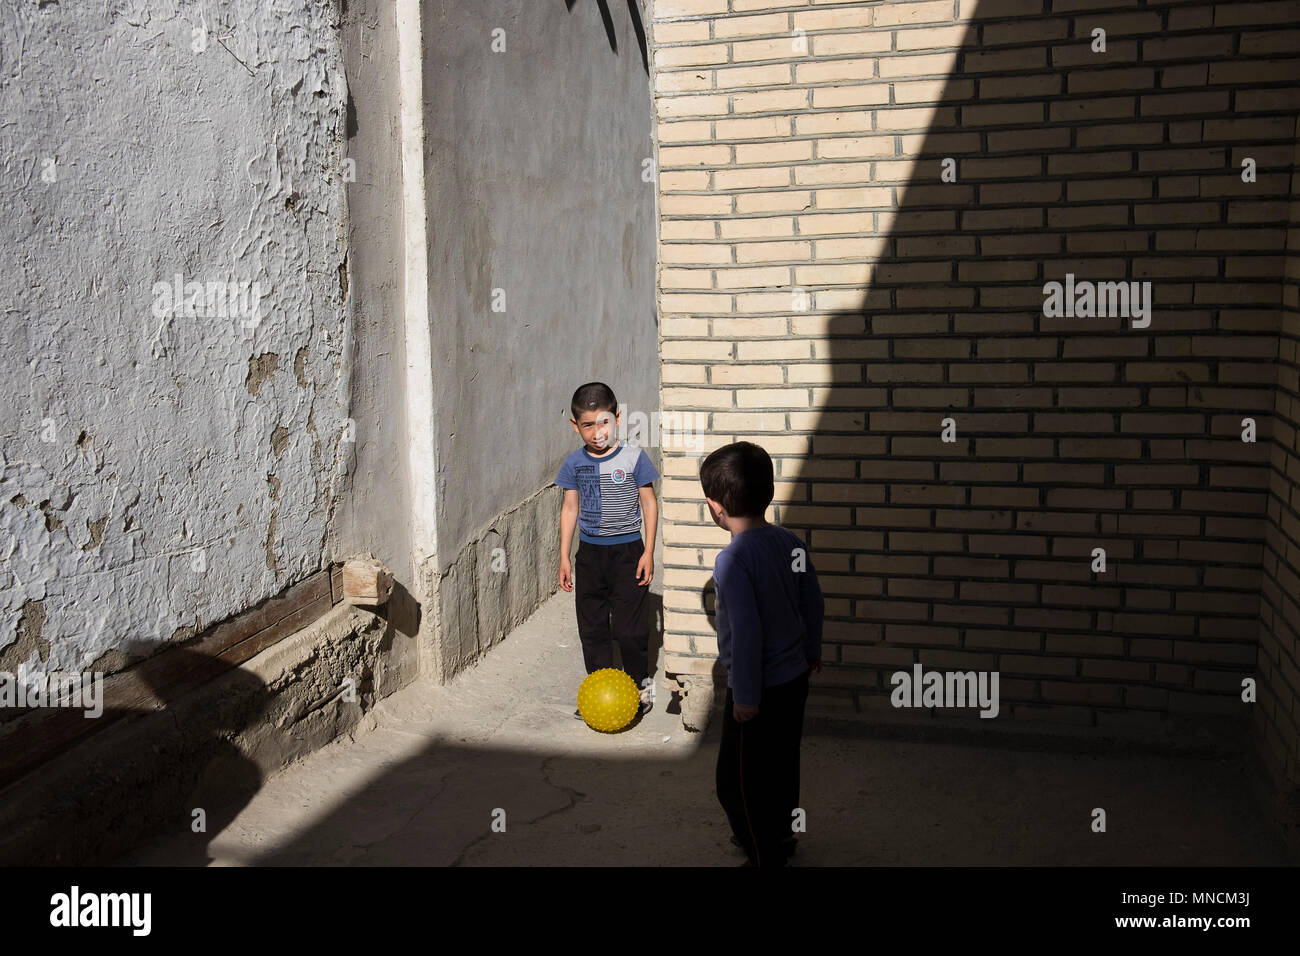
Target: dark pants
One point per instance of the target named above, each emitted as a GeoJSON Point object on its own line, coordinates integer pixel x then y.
{"type": "Point", "coordinates": [758, 770]}
{"type": "Point", "coordinates": [612, 606]}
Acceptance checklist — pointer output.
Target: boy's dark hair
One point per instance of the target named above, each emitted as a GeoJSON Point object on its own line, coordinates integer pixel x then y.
{"type": "Point", "coordinates": [739, 477]}
{"type": "Point", "coordinates": [592, 397]}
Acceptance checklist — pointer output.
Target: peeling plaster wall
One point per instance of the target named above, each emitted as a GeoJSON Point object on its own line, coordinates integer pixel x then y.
{"type": "Point", "coordinates": [142, 139]}
{"type": "Point", "coordinates": [534, 161]}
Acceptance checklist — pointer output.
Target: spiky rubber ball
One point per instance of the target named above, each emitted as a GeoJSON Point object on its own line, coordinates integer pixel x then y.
{"type": "Point", "coordinates": [608, 699]}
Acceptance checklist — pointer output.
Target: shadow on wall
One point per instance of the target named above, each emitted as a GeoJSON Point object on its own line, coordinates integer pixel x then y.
{"type": "Point", "coordinates": [1068, 433]}
{"type": "Point", "coordinates": [143, 770]}
{"type": "Point", "coordinates": [219, 778]}
{"type": "Point", "coordinates": [183, 730]}
{"type": "Point", "coordinates": [634, 15]}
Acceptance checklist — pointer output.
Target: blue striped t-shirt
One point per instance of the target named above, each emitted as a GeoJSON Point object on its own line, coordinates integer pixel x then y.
{"type": "Point", "coordinates": [609, 499]}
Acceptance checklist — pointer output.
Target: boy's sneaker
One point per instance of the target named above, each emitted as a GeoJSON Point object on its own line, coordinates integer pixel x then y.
{"type": "Point", "coordinates": [647, 697]}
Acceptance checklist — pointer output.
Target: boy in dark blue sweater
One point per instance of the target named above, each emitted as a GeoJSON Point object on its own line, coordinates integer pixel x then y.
{"type": "Point", "coordinates": [769, 618]}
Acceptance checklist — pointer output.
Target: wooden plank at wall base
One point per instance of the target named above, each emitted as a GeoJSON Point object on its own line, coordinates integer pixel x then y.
{"type": "Point", "coordinates": [304, 615]}
{"type": "Point", "coordinates": [138, 688]}
{"type": "Point", "coordinates": [38, 735]}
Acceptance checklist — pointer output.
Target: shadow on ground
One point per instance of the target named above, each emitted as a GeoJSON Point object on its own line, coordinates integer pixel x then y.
{"type": "Point", "coordinates": [424, 784]}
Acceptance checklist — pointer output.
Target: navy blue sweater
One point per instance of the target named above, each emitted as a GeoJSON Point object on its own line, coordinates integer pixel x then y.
{"type": "Point", "coordinates": [769, 615]}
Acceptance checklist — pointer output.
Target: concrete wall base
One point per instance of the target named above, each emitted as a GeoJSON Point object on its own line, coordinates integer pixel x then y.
{"type": "Point", "coordinates": [492, 585]}
{"type": "Point", "coordinates": [209, 750]}
{"type": "Point", "coordinates": [698, 700]}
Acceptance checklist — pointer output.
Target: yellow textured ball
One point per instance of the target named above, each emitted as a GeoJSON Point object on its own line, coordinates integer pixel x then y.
{"type": "Point", "coordinates": [608, 699]}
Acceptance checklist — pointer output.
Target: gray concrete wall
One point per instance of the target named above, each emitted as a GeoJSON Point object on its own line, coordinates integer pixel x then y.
{"type": "Point", "coordinates": [144, 139]}
{"type": "Point", "coordinates": [374, 513]}
{"type": "Point", "coordinates": [534, 187]}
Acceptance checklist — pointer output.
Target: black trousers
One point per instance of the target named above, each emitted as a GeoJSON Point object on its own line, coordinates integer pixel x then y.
{"type": "Point", "coordinates": [612, 606]}
{"type": "Point", "coordinates": [758, 770]}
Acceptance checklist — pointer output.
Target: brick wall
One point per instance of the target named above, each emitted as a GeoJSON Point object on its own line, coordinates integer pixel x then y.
{"type": "Point", "coordinates": [1277, 719]}
{"type": "Point", "coordinates": [825, 293]}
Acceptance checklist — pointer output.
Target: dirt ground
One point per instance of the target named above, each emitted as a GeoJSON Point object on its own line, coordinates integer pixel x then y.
{"type": "Point", "coordinates": [493, 770]}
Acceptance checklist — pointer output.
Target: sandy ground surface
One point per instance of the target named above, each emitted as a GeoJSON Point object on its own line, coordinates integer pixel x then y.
{"type": "Point", "coordinates": [423, 779]}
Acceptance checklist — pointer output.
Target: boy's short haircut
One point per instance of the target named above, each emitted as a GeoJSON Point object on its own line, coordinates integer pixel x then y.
{"type": "Point", "coordinates": [739, 477]}
{"type": "Point", "coordinates": [592, 397]}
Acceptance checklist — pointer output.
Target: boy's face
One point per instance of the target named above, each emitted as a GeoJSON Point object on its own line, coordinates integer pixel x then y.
{"type": "Point", "coordinates": [597, 429]}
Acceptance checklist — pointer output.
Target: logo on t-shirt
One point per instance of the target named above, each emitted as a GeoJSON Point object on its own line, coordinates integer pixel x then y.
{"type": "Point", "coordinates": [618, 475]}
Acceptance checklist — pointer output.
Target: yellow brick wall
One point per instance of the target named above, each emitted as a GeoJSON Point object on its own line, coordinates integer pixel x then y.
{"type": "Point", "coordinates": [824, 293]}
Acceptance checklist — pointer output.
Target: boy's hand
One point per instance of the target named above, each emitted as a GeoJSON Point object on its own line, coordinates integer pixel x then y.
{"type": "Point", "coordinates": [815, 666]}
{"type": "Point", "coordinates": [566, 575]}
{"type": "Point", "coordinates": [743, 714]}
{"type": "Point", "coordinates": [645, 567]}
